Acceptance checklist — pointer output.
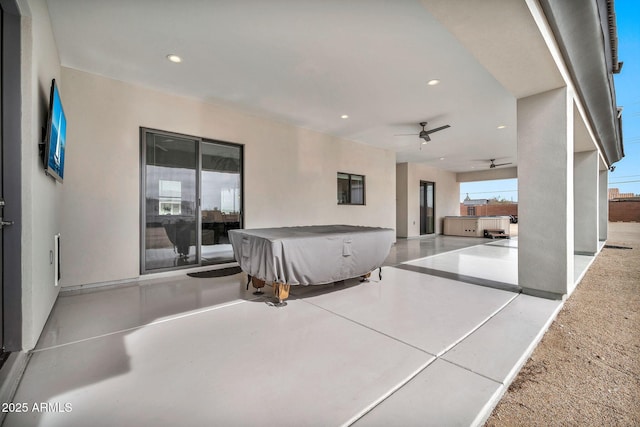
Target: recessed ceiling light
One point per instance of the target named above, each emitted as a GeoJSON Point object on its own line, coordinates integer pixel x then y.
{"type": "Point", "coordinates": [174, 58]}
{"type": "Point", "coordinates": [441, 158]}
{"type": "Point", "coordinates": [344, 116]}
{"type": "Point", "coordinates": [501, 127]}
{"type": "Point", "coordinates": [433, 82]}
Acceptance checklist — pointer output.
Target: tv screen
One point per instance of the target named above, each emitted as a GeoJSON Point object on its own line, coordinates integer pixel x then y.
{"type": "Point", "coordinates": [56, 136]}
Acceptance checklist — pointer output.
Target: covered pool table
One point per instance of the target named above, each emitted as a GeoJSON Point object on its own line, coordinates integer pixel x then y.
{"type": "Point", "coordinates": [309, 255]}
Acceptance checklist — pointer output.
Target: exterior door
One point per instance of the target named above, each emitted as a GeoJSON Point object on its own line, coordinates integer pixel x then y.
{"type": "Point", "coordinates": [10, 178]}
{"type": "Point", "coordinates": [170, 232]}
{"type": "Point", "coordinates": [221, 199]}
{"type": "Point", "coordinates": [427, 207]}
{"type": "Point", "coordinates": [191, 197]}
{"type": "Point", "coordinates": [1, 196]}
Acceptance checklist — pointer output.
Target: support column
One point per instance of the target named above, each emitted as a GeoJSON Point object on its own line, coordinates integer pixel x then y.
{"type": "Point", "coordinates": [586, 196]}
{"type": "Point", "coordinates": [545, 194]}
{"type": "Point", "coordinates": [603, 205]}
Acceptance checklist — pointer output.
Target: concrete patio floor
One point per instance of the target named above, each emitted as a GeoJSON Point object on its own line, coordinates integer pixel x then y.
{"type": "Point", "coordinates": [436, 341]}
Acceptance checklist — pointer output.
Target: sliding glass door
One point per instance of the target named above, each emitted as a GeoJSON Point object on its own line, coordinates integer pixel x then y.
{"type": "Point", "coordinates": [221, 190]}
{"type": "Point", "coordinates": [191, 191]}
{"type": "Point", "coordinates": [170, 194]}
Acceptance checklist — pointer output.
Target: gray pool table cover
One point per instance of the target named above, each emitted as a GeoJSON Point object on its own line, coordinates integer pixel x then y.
{"type": "Point", "coordinates": [311, 255]}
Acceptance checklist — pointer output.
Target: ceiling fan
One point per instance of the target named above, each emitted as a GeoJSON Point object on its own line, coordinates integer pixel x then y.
{"type": "Point", "coordinates": [424, 134]}
{"type": "Point", "coordinates": [493, 165]}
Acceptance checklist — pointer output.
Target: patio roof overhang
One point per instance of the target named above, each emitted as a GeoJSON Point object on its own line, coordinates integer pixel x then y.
{"type": "Point", "coordinates": [586, 34]}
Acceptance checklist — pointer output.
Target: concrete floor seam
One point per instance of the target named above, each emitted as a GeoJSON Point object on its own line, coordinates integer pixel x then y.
{"type": "Point", "coordinates": [390, 393]}
{"type": "Point", "coordinates": [470, 370]}
{"type": "Point", "coordinates": [478, 326]}
{"type": "Point", "coordinates": [408, 380]}
{"type": "Point", "coordinates": [369, 328]}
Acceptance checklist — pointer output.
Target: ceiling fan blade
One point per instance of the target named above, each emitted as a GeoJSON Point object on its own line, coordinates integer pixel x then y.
{"type": "Point", "coordinates": [405, 134]}
{"type": "Point", "coordinates": [438, 129]}
{"type": "Point", "coordinates": [502, 164]}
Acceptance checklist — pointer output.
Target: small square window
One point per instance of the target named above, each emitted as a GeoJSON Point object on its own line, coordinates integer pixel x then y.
{"type": "Point", "coordinates": [351, 189]}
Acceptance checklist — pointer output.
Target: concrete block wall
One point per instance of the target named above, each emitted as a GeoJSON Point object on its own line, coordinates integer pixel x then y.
{"type": "Point", "coordinates": [624, 210]}
{"type": "Point", "coordinates": [492, 209]}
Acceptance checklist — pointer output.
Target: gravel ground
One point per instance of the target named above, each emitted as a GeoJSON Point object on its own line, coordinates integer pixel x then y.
{"type": "Point", "coordinates": [586, 369]}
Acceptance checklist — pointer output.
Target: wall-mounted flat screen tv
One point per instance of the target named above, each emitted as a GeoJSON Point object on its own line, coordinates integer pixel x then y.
{"type": "Point", "coordinates": [56, 136]}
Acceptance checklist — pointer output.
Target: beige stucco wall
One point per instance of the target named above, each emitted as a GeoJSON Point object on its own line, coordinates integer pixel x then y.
{"type": "Point", "coordinates": [41, 195]}
{"type": "Point", "coordinates": [290, 172]}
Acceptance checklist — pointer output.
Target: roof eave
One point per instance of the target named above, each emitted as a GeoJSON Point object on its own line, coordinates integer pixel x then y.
{"type": "Point", "coordinates": [587, 36]}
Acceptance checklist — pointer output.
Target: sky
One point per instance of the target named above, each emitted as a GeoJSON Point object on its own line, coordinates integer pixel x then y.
{"type": "Point", "coordinates": [626, 176]}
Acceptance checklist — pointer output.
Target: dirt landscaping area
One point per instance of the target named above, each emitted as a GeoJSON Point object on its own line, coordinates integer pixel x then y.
{"type": "Point", "coordinates": [586, 369]}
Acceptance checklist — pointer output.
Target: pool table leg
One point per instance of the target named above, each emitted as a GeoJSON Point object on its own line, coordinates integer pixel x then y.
{"type": "Point", "coordinates": [281, 291]}
{"type": "Point", "coordinates": [258, 284]}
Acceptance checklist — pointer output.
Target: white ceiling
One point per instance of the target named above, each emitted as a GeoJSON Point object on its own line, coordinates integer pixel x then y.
{"type": "Point", "coordinates": [307, 62]}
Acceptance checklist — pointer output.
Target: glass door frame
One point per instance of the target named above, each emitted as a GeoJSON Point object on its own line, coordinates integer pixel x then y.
{"type": "Point", "coordinates": [198, 172]}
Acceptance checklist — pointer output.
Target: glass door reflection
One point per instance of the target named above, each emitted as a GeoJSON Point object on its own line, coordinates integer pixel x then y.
{"type": "Point", "coordinates": [221, 200]}
{"type": "Point", "coordinates": [170, 232]}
